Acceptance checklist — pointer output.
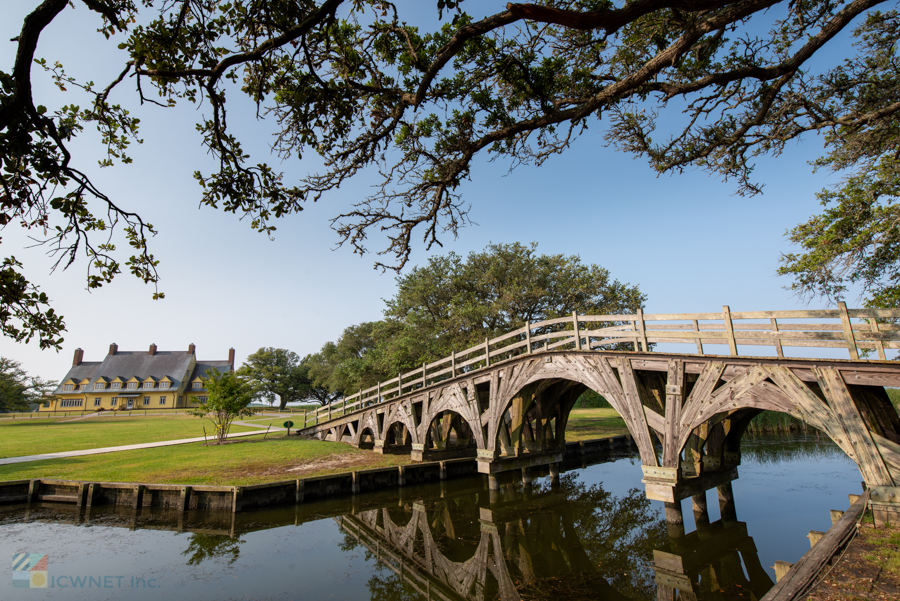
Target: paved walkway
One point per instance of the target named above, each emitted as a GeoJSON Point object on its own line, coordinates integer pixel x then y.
{"type": "Point", "coordinates": [129, 447]}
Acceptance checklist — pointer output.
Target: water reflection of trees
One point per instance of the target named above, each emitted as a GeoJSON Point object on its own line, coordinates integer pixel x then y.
{"type": "Point", "coordinates": [617, 536]}
{"type": "Point", "coordinates": [772, 450]}
{"type": "Point", "coordinates": [203, 547]}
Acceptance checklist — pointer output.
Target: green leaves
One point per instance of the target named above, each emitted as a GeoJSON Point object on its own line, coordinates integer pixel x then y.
{"type": "Point", "coordinates": [854, 242]}
{"type": "Point", "coordinates": [453, 303]}
{"type": "Point", "coordinates": [229, 395]}
{"type": "Point", "coordinates": [278, 373]}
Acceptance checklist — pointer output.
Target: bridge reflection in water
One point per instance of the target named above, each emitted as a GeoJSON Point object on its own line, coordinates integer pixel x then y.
{"type": "Point", "coordinates": [547, 542]}
{"type": "Point", "coordinates": [524, 539]}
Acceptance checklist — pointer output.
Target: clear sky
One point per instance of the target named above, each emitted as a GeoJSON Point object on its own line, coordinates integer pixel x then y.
{"type": "Point", "coordinates": [687, 240]}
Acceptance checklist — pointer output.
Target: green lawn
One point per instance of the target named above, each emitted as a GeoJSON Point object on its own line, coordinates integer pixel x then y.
{"type": "Point", "coordinates": [33, 437]}
{"type": "Point", "coordinates": [246, 461]}
{"type": "Point", "coordinates": [585, 424]}
{"type": "Point", "coordinates": [250, 460]}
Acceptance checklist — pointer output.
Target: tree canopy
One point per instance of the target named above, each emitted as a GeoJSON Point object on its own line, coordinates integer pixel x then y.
{"type": "Point", "coordinates": [276, 372]}
{"type": "Point", "coordinates": [229, 397]}
{"type": "Point", "coordinates": [453, 303]}
{"type": "Point", "coordinates": [18, 390]}
{"type": "Point", "coordinates": [708, 83]}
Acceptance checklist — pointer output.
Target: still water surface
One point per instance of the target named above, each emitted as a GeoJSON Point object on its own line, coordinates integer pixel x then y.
{"type": "Point", "coordinates": [593, 537]}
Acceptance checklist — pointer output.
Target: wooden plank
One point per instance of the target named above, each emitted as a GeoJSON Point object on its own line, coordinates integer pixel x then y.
{"type": "Point", "coordinates": [867, 313]}
{"type": "Point", "coordinates": [701, 392]}
{"type": "Point", "coordinates": [640, 430]}
{"type": "Point", "coordinates": [731, 392]}
{"type": "Point", "coordinates": [655, 421]}
{"type": "Point", "coordinates": [811, 408]}
{"type": "Point", "coordinates": [803, 573]}
{"type": "Point", "coordinates": [867, 457]}
{"type": "Point", "coordinates": [890, 452]}
{"type": "Point", "coordinates": [716, 337]}
{"type": "Point", "coordinates": [674, 396]}
{"type": "Point", "coordinates": [848, 331]}
{"type": "Point", "coordinates": [794, 314]}
{"type": "Point", "coordinates": [706, 327]}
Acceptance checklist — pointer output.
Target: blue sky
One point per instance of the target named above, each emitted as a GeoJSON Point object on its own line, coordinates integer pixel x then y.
{"type": "Point", "coordinates": [687, 240]}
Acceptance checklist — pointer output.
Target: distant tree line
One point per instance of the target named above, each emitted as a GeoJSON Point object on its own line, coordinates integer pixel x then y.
{"type": "Point", "coordinates": [450, 303]}
{"type": "Point", "coordinates": [19, 391]}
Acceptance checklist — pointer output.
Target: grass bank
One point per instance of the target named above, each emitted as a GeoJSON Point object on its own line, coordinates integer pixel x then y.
{"type": "Point", "coordinates": [585, 424]}
{"type": "Point", "coordinates": [868, 569]}
{"type": "Point", "coordinates": [245, 461]}
{"type": "Point", "coordinates": [33, 437]}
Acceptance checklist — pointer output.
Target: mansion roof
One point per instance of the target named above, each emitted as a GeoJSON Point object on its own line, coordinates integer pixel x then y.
{"type": "Point", "coordinates": [178, 367]}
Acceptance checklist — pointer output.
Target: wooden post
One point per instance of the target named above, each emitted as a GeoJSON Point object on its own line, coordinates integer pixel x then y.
{"type": "Point", "coordinates": [304, 418]}
{"type": "Point", "coordinates": [729, 327]}
{"type": "Point", "coordinates": [528, 337]}
{"type": "Point", "coordinates": [424, 372]}
{"type": "Point", "coordinates": [848, 331]}
{"type": "Point", "coordinates": [577, 333]}
{"type": "Point", "coordinates": [399, 385]}
{"type": "Point", "coordinates": [453, 365]}
{"type": "Point", "coordinates": [777, 341]}
{"type": "Point", "coordinates": [377, 400]}
{"type": "Point", "coordinates": [643, 329]}
{"type": "Point", "coordinates": [781, 569]}
{"type": "Point", "coordinates": [879, 345]}
{"type": "Point", "coordinates": [487, 353]}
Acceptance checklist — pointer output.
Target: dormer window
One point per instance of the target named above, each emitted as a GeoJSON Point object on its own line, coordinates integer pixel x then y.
{"type": "Point", "coordinates": [83, 387]}
{"type": "Point", "coordinates": [148, 384]}
{"type": "Point", "coordinates": [116, 385]}
{"type": "Point", "coordinates": [132, 385]}
{"type": "Point", "coordinates": [164, 384]}
{"type": "Point", "coordinates": [69, 387]}
{"type": "Point", "coordinates": [99, 386]}
{"type": "Point", "coordinates": [198, 385]}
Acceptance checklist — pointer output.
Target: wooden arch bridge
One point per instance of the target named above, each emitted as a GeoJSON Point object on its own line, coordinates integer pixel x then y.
{"type": "Point", "coordinates": [507, 401]}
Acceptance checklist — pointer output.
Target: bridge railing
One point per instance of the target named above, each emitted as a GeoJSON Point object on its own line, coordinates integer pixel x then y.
{"type": "Point", "coordinates": [873, 330]}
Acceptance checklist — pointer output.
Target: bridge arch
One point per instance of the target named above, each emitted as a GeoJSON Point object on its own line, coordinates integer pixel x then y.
{"type": "Point", "coordinates": [594, 372]}
{"type": "Point", "coordinates": [456, 400]}
{"type": "Point", "coordinates": [397, 436]}
{"type": "Point", "coordinates": [448, 431]}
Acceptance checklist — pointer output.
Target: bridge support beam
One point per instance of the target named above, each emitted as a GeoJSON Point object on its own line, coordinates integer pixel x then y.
{"type": "Point", "coordinates": [523, 462]}
{"type": "Point", "coordinates": [688, 487]}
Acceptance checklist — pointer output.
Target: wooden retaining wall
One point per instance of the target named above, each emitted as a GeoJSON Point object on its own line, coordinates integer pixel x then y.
{"type": "Point", "coordinates": [794, 580]}
{"type": "Point", "coordinates": [234, 498]}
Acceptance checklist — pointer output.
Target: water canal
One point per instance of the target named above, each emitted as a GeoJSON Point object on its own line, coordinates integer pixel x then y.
{"type": "Point", "coordinates": [595, 536]}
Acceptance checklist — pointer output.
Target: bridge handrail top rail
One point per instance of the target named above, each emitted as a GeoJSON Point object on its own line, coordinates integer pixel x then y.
{"type": "Point", "coordinates": [634, 327]}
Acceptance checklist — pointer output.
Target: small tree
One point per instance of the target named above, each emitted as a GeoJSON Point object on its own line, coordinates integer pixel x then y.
{"type": "Point", "coordinates": [229, 397]}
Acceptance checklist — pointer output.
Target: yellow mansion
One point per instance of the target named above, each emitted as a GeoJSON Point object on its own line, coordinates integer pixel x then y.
{"type": "Point", "coordinates": [135, 380]}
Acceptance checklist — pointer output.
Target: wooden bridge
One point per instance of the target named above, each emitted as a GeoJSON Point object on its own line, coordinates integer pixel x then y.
{"type": "Point", "coordinates": [507, 401]}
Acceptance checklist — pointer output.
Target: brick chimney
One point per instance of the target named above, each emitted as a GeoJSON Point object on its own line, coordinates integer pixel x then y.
{"type": "Point", "coordinates": [113, 348]}
{"type": "Point", "coordinates": [152, 349]}
{"type": "Point", "coordinates": [192, 349]}
{"type": "Point", "coordinates": [231, 357]}
{"type": "Point", "coordinates": [79, 355]}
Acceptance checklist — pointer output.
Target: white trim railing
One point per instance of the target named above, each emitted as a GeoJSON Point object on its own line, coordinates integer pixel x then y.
{"type": "Point", "coordinates": [599, 332]}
